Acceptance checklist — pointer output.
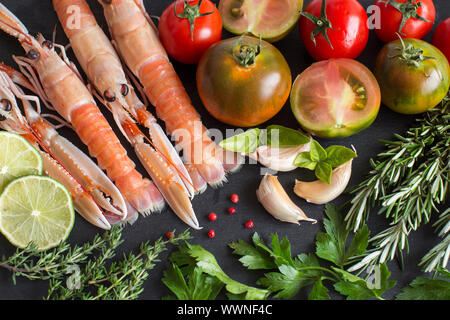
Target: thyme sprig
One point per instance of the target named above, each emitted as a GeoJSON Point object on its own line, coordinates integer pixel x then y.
{"type": "Point", "coordinates": [409, 180]}
{"type": "Point", "coordinates": [88, 271]}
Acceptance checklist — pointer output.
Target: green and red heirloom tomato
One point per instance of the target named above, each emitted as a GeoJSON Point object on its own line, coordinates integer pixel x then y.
{"type": "Point", "coordinates": [188, 29]}
{"type": "Point", "coordinates": [441, 38]}
{"type": "Point", "coordinates": [334, 29]}
{"type": "Point", "coordinates": [409, 18]}
{"type": "Point", "coordinates": [413, 75]}
{"type": "Point", "coordinates": [335, 98]}
{"type": "Point", "coordinates": [270, 19]}
{"type": "Point", "coordinates": [243, 81]}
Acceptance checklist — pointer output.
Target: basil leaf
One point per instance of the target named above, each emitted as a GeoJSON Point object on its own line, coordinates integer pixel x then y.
{"type": "Point", "coordinates": [338, 155]}
{"type": "Point", "coordinates": [317, 152]}
{"type": "Point", "coordinates": [303, 160]}
{"type": "Point", "coordinates": [280, 136]}
{"type": "Point", "coordinates": [323, 171]}
{"type": "Point", "coordinates": [245, 142]}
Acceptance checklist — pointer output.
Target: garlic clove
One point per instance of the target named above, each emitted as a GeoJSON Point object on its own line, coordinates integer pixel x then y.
{"type": "Point", "coordinates": [319, 192]}
{"type": "Point", "coordinates": [277, 202]}
{"type": "Point", "coordinates": [279, 158]}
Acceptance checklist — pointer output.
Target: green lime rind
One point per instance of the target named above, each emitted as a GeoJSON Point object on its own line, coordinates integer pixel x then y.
{"type": "Point", "coordinates": [17, 158]}
{"type": "Point", "coordinates": [36, 209]}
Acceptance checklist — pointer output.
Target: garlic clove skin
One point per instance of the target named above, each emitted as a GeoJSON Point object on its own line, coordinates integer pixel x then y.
{"type": "Point", "coordinates": [280, 158]}
{"type": "Point", "coordinates": [277, 202]}
{"type": "Point", "coordinates": [319, 192]}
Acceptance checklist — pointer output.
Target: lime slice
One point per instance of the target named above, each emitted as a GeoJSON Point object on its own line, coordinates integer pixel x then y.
{"type": "Point", "coordinates": [36, 209]}
{"type": "Point", "coordinates": [18, 158]}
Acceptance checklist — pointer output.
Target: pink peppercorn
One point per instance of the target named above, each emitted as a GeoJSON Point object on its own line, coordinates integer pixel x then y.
{"type": "Point", "coordinates": [234, 198]}
{"type": "Point", "coordinates": [212, 216]}
{"type": "Point", "coordinates": [249, 224]}
{"type": "Point", "coordinates": [169, 235]}
{"type": "Point", "coordinates": [231, 210]}
{"type": "Point", "coordinates": [211, 234]}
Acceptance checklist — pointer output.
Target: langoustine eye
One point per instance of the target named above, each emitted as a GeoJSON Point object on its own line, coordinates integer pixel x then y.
{"type": "Point", "coordinates": [5, 105]}
{"type": "Point", "coordinates": [33, 54]}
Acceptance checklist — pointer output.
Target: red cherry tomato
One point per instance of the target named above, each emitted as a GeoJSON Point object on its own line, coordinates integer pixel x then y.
{"type": "Point", "coordinates": [187, 35]}
{"type": "Point", "coordinates": [441, 38]}
{"type": "Point", "coordinates": [409, 18]}
{"type": "Point", "coordinates": [345, 26]}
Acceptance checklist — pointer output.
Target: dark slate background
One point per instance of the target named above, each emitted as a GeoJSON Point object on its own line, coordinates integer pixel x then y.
{"type": "Point", "coordinates": [39, 16]}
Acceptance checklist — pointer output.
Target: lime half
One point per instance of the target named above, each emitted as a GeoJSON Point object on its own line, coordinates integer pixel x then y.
{"type": "Point", "coordinates": [36, 209]}
{"type": "Point", "coordinates": [18, 158]}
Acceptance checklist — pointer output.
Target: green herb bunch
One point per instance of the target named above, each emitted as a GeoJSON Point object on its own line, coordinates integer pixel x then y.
{"type": "Point", "coordinates": [409, 180]}
{"type": "Point", "coordinates": [321, 161]}
{"type": "Point", "coordinates": [196, 275]}
{"type": "Point", "coordinates": [326, 265]}
{"type": "Point", "coordinates": [90, 271]}
{"type": "Point", "coordinates": [422, 288]}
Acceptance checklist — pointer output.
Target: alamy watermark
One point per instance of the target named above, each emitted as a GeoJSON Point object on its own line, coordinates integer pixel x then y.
{"type": "Point", "coordinates": [74, 17]}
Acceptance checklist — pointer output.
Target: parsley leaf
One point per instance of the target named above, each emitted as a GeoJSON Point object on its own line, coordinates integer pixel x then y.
{"type": "Point", "coordinates": [253, 257]}
{"type": "Point", "coordinates": [356, 288]}
{"type": "Point", "coordinates": [189, 255]}
{"type": "Point", "coordinates": [200, 286]}
{"type": "Point", "coordinates": [287, 282]}
{"type": "Point", "coordinates": [423, 288]}
{"type": "Point", "coordinates": [318, 291]}
{"type": "Point", "coordinates": [331, 246]}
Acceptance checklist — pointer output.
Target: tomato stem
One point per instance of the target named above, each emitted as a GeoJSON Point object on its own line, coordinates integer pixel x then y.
{"type": "Point", "coordinates": [411, 55]}
{"type": "Point", "coordinates": [191, 13]}
{"type": "Point", "coordinates": [408, 10]}
{"type": "Point", "coordinates": [322, 24]}
{"type": "Point", "coordinates": [246, 54]}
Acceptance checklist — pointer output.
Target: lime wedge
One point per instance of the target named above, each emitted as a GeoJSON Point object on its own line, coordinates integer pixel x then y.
{"type": "Point", "coordinates": [36, 209]}
{"type": "Point", "coordinates": [18, 158]}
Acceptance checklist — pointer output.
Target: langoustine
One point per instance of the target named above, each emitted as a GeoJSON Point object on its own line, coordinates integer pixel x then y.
{"type": "Point", "coordinates": [138, 43]}
{"type": "Point", "coordinates": [102, 65]}
{"type": "Point", "coordinates": [60, 86]}
{"type": "Point", "coordinates": [32, 127]}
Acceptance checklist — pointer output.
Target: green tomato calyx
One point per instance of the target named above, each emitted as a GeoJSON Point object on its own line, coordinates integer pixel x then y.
{"type": "Point", "coordinates": [411, 55]}
{"type": "Point", "coordinates": [246, 54]}
{"type": "Point", "coordinates": [322, 24]}
{"type": "Point", "coordinates": [408, 10]}
{"type": "Point", "coordinates": [191, 13]}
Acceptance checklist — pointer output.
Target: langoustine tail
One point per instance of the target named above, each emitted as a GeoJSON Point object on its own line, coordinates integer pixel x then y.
{"type": "Point", "coordinates": [173, 106]}
{"type": "Point", "coordinates": [95, 132]}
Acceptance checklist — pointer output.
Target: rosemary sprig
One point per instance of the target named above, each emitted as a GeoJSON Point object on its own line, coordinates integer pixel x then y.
{"type": "Point", "coordinates": [409, 181]}
{"type": "Point", "coordinates": [438, 256]}
{"type": "Point", "coordinates": [89, 270]}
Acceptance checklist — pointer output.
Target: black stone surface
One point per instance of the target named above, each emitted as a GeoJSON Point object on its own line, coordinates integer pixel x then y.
{"type": "Point", "coordinates": [39, 16]}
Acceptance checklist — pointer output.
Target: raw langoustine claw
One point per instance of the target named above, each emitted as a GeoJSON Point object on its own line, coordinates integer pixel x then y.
{"type": "Point", "coordinates": [15, 122]}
